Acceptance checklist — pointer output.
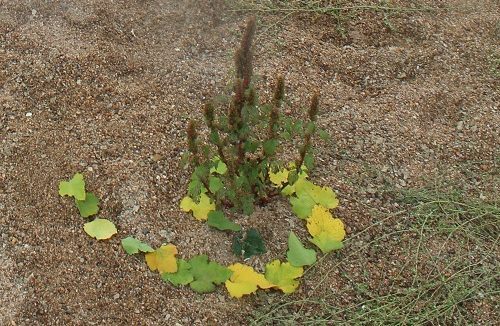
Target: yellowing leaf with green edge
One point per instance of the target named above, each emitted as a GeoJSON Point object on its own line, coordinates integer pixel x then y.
{"type": "Point", "coordinates": [283, 275]}
{"type": "Point", "coordinates": [73, 188]}
{"type": "Point", "coordinates": [279, 177]}
{"type": "Point", "coordinates": [163, 259]}
{"type": "Point", "coordinates": [327, 231]}
{"type": "Point", "coordinates": [297, 254]}
{"type": "Point", "coordinates": [245, 280]}
{"type": "Point", "coordinates": [89, 206]}
{"type": "Point", "coordinates": [201, 209]}
{"type": "Point", "coordinates": [100, 229]}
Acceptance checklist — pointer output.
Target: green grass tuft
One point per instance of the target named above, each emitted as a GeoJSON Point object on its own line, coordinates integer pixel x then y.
{"type": "Point", "coordinates": [449, 249]}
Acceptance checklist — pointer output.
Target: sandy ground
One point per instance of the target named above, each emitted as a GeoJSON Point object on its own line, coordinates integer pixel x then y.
{"type": "Point", "coordinates": [107, 89]}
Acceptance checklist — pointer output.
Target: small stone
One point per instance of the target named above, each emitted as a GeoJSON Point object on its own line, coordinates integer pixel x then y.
{"type": "Point", "coordinates": [29, 114]}
{"type": "Point", "coordinates": [164, 234]}
{"type": "Point", "coordinates": [460, 125]}
{"type": "Point", "coordinates": [157, 157]}
{"type": "Point", "coordinates": [116, 296]}
{"type": "Point", "coordinates": [371, 190]}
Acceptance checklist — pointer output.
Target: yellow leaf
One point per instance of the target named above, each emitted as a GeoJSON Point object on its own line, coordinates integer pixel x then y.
{"type": "Point", "coordinates": [279, 177]}
{"type": "Point", "coordinates": [327, 232]}
{"type": "Point", "coordinates": [321, 221]}
{"type": "Point", "coordinates": [201, 209]}
{"type": "Point", "coordinates": [163, 259]}
{"type": "Point", "coordinates": [245, 280]}
{"type": "Point", "coordinates": [187, 204]}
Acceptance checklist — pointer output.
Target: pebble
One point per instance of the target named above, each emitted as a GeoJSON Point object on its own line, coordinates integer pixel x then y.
{"type": "Point", "coordinates": [157, 157]}
{"type": "Point", "coordinates": [29, 114]}
{"type": "Point", "coordinates": [460, 125]}
{"type": "Point", "coordinates": [116, 296]}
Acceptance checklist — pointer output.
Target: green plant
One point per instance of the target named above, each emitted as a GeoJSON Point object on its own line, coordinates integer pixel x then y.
{"type": "Point", "coordinates": [232, 166]}
{"type": "Point", "coordinates": [237, 168]}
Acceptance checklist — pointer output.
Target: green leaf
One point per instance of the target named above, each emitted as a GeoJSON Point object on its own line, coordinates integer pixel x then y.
{"type": "Point", "coordinates": [132, 246]}
{"type": "Point", "coordinates": [270, 146]}
{"type": "Point", "coordinates": [219, 166]}
{"type": "Point", "coordinates": [326, 243]}
{"type": "Point", "coordinates": [250, 246]}
{"type": "Point", "coordinates": [215, 184]}
{"type": "Point", "coordinates": [89, 206]}
{"type": "Point", "coordinates": [297, 254]}
{"type": "Point", "coordinates": [201, 172]}
{"type": "Point", "coordinates": [250, 146]}
{"type": "Point", "coordinates": [195, 187]}
{"type": "Point", "coordinates": [323, 134]}
{"type": "Point", "coordinates": [293, 176]}
{"type": "Point", "coordinates": [309, 161]}
{"type": "Point", "coordinates": [218, 220]}
{"type": "Point", "coordinates": [214, 137]}
{"type": "Point", "coordinates": [247, 205]}
{"type": "Point", "coordinates": [302, 206]}
{"type": "Point", "coordinates": [183, 276]}
{"type": "Point", "coordinates": [297, 127]}
{"type": "Point", "coordinates": [100, 229]}
{"type": "Point", "coordinates": [286, 135]}
{"type": "Point", "coordinates": [207, 274]}
{"type": "Point", "coordinates": [73, 188]}
{"type": "Point", "coordinates": [310, 127]}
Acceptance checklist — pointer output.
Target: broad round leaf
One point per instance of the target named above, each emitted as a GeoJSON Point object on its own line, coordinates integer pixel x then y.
{"type": "Point", "coordinates": [100, 229]}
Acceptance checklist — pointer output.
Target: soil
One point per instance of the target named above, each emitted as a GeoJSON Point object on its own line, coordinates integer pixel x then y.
{"type": "Point", "coordinates": [107, 88]}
